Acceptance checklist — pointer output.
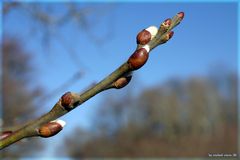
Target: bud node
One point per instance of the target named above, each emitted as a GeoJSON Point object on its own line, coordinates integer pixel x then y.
{"type": "Point", "coordinates": [67, 100]}
{"type": "Point", "coordinates": [138, 59]}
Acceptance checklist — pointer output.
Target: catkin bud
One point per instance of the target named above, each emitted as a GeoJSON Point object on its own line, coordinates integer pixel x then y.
{"type": "Point", "coordinates": [143, 37]}
{"type": "Point", "coordinates": [138, 58]}
{"type": "Point", "coordinates": [122, 82]}
{"type": "Point", "coordinates": [52, 128]}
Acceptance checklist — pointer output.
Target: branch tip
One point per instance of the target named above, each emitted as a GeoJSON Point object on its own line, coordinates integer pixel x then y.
{"type": "Point", "coordinates": [181, 15]}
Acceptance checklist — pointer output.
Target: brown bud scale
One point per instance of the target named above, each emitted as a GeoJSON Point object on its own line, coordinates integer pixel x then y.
{"type": "Point", "coordinates": [138, 59]}
{"type": "Point", "coordinates": [170, 35]}
{"type": "Point", "coordinates": [143, 37]}
{"type": "Point", "coordinates": [180, 15]}
{"type": "Point", "coordinates": [50, 129]}
{"type": "Point", "coordinates": [67, 100]}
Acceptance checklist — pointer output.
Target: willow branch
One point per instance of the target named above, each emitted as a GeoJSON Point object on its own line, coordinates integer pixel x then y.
{"type": "Point", "coordinates": [47, 125]}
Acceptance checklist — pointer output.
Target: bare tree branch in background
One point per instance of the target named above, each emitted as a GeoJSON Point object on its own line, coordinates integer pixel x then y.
{"type": "Point", "coordinates": [46, 22]}
{"type": "Point", "coordinates": [18, 95]}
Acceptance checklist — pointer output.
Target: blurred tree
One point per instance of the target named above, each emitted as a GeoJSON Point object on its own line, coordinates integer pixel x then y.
{"type": "Point", "coordinates": [50, 24]}
{"type": "Point", "coordinates": [19, 94]}
{"type": "Point", "coordinates": [48, 21]}
{"type": "Point", "coordinates": [179, 118]}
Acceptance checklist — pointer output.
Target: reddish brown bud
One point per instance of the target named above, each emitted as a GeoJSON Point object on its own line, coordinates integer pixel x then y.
{"type": "Point", "coordinates": [5, 134]}
{"type": "Point", "coordinates": [67, 100]}
{"type": "Point", "coordinates": [165, 26]}
{"type": "Point", "coordinates": [138, 59]}
{"type": "Point", "coordinates": [167, 37]}
{"type": "Point", "coordinates": [170, 34]}
{"type": "Point", "coordinates": [167, 23]}
{"type": "Point", "coordinates": [143, 37]}
{"type": "Point", "coordinates": [122, 82]}
{"type": "Point", "coordinates": [180, 15]}
{"type": "Point", "coordinates": [50, 129]}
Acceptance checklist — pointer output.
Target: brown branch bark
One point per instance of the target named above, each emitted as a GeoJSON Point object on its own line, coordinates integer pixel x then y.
{"type": "Point", "coordinates": [147, 40]}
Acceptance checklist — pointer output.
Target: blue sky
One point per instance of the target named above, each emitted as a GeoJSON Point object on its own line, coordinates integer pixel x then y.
{"type": "Point", "coordinates": [206, 38]}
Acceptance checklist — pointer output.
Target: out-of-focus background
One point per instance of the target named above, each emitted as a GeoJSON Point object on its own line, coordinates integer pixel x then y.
{"type": "Point", "coordinates": [182, 103]}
